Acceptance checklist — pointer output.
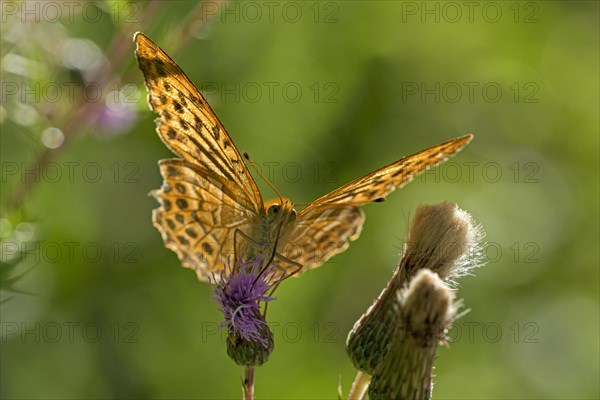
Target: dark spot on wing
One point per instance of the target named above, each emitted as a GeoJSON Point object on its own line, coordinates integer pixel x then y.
{"type": "Point", "coordinates": [399, 172]}
{"type": "Point", "coordinates": [191, 232]}
{"type": "Point", "coordinates": [172, 171]}
{"type": "Point", "coordinates": [177, 106]}
{"type": "Point", "coordinates": [207, 247]}
{"type": "Point", "coordinates": [199, 124]}
{"type": "Point", "coordinates": [144, 63]}
{"type": "Point", "coordinates": [181, 203]}
{"type": "Point", "coordinates": [160, 68]}
{"type": "Point", "coordinates": [182, 99]}
{"type": "Point", "coordinates": [170, 223]}
{"type": "Point", "coordinates": [195, 217]}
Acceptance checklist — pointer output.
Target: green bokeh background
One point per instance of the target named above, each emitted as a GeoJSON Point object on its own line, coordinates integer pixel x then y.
{"type": "Point", "coordinates": [533, 328]}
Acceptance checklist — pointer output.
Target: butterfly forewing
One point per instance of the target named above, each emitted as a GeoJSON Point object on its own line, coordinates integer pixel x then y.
{"type": "Point", "coordinates": [187, 124]}
{"type": "Point", "coordinates": [381, 182]}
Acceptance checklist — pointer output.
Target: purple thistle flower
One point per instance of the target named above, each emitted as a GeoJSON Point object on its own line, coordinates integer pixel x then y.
{"type": "Point", "coordinates": [238, 292]}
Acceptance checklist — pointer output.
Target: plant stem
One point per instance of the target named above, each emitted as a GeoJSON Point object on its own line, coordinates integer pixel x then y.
{"type": "Point", "coordinates": [359, 386]}
{"type": "Point", "coordinates": [248, 386]}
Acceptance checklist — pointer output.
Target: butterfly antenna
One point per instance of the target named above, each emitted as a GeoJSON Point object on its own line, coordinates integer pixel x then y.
{"type": "Point", "coordinates": [247, 157]}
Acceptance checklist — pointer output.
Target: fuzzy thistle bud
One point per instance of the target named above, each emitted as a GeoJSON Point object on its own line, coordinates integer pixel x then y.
{"type": "Point", "coordinates": [425, 310]}
{"type": "Point", "coordinates": [444, 239]}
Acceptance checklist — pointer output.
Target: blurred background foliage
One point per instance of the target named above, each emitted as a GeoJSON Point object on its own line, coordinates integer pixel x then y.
{"type": "Point", "coordinates": [93, 305]}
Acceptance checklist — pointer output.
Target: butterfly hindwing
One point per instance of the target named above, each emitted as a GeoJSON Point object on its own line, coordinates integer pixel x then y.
{"type": "Point", "coordinates": [198, 216]}
{"type": "Point", "coordinates": [319, 234]}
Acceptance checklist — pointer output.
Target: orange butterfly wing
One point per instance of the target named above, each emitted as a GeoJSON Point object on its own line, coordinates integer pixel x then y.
{"type": "Point", "coordinates": [325, 226]}
{"type": "Point", "coordinates": [210, 193]}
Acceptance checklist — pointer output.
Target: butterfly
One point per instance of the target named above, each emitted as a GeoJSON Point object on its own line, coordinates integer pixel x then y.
{"type": "Point", "coordinates": [210, 206]}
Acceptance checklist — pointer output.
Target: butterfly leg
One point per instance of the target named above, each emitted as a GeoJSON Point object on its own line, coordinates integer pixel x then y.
{"type": "Point", "coordinates": [237, 233]}
{"type": "Point", "coordinates": [287, 260]}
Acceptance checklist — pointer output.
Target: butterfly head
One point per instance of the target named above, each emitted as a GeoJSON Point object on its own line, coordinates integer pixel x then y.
{"type": "Point", "coordinates": [280, 213]}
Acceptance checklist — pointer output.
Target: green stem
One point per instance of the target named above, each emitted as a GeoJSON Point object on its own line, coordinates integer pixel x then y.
{"type": "Point", "coordinates": [248, 386]}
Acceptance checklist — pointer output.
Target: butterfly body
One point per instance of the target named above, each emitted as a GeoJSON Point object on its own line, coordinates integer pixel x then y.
{"type": "Point", "coordinates": [210, 206]}
{"type": "Point", "coordinates": [272, 229]}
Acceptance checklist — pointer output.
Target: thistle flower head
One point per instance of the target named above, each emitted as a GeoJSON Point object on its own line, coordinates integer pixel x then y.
{"type": "Point", "coordinates": [238, 291]}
